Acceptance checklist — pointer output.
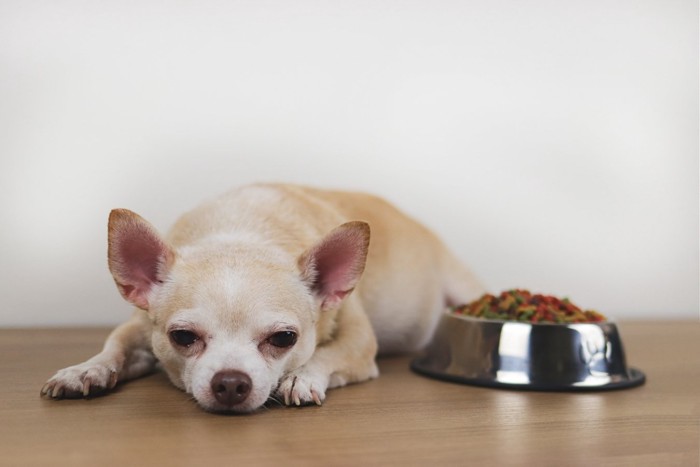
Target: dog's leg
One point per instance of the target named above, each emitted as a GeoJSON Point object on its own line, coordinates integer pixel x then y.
{"type": "Point", "coordinates": [348, 358]}
{"type": "Point", "coordinates": [126, 355]}
{"type": "Point", "coordinates": [332, 269]}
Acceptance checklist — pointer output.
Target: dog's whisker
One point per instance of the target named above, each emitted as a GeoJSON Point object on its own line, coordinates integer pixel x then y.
{"type": "Point", "coordinates": [275, 400]}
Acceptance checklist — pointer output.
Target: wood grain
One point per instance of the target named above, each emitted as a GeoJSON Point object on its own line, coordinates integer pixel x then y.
{"type": "Point", "coordinates": [400, 419]}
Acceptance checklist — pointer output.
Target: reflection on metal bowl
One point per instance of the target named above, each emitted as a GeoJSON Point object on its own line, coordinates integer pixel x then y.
{"type": "Point", "coordinates": [549, 357]}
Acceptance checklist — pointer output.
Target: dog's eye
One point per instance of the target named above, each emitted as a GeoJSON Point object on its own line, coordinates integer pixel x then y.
{"type": "Point", "coordinates": [283, 339]}
{"type": "Point", "coordinates": [183, 338]}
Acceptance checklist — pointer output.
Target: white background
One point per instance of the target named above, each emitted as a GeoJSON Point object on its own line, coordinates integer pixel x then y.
{"type": "Point", "coordinates": [553, 145]}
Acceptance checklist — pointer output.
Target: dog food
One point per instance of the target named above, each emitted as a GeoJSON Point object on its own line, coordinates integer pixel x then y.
{"type": "Point", "coordinates": [521, 305]}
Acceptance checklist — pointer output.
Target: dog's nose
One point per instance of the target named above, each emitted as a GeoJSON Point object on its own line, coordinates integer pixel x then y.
{"type": "Point", "coordinates": [231, 387]}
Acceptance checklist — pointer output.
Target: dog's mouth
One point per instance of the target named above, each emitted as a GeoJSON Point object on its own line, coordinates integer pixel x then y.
{"type": "Point", "coordinates": [231, 411]}
{"type": "Point", "coordinates": [214, 407]}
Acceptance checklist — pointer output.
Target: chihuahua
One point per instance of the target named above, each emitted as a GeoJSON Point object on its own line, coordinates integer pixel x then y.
{"type": "Point", "coordinates": [270, 292]}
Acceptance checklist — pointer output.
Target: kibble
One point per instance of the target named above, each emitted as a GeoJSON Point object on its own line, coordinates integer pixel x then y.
{"type": "Point", "coordinates": [522, 305]}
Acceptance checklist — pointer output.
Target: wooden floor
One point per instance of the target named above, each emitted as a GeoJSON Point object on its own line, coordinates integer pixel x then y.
{"type": "Point", "coordinates": [400, 419]}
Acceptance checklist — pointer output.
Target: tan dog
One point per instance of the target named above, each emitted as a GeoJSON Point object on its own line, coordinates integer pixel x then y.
{"type": "Point", "coordinates": [261, 293]}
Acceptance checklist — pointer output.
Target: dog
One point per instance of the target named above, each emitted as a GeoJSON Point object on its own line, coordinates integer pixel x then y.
{"type": "Point", "coordinates": [270, 292]}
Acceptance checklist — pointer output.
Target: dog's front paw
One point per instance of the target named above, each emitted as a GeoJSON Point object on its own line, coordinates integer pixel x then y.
{"type": "Point", "coordinates": [91, 378]}
{"type": "Point", "coordinates": [303, 387]}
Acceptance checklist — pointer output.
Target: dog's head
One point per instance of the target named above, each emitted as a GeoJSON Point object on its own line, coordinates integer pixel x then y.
{"type": "Point", "coordinates": [231, 318]}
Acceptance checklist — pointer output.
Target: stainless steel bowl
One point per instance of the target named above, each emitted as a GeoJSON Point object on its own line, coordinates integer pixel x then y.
{"type": "Point", "coordinates": [511, 354]}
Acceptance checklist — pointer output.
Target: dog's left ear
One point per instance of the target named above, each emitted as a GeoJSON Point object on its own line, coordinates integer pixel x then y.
{"type": "Point", "coordinates": [334, 265]}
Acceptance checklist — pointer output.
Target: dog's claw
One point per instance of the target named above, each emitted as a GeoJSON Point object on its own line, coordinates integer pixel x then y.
{"type": "Point", "coordinates": [316, 399]}
{"type": "Point", "coordinates": [287, 399]}
{"type": "Point", "coordinates": [112, 379]}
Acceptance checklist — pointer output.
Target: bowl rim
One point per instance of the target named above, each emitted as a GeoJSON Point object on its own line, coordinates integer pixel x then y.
{"type": "Point", "coordinates": [449, 311]}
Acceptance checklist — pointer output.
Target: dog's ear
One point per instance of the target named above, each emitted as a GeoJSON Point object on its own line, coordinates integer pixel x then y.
{"type": "Point", "coordinates": [138, 258]}
{"type": "Point", "coordinates": [334, 265]}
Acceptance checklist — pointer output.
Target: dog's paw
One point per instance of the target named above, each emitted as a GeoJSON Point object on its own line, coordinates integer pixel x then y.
{"type": "Point", "coordinates": [303, 388]}
{"type": "Point", "coordinates": [91, 378]}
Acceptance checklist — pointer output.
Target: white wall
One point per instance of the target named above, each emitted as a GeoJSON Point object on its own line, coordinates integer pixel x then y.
{"type": "Point", "coordinates": [553, 145]}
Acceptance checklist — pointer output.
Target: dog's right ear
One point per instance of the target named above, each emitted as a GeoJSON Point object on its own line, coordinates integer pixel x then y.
{"type": "Point", "coordinates": [138, 258]}
{"type": "Point", "coordinates": [333, 266]}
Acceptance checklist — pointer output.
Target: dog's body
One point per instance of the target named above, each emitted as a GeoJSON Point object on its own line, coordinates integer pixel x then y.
{"type": "Point", "coordinates": [262, 293]}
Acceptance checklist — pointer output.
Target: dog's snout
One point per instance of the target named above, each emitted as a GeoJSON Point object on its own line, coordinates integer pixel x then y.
{"type": "Point", "coordinates": [231, 387]}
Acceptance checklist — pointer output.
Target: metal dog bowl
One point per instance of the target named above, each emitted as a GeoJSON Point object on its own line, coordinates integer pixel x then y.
{"type": "Point", "coordinates": [517, 355]}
